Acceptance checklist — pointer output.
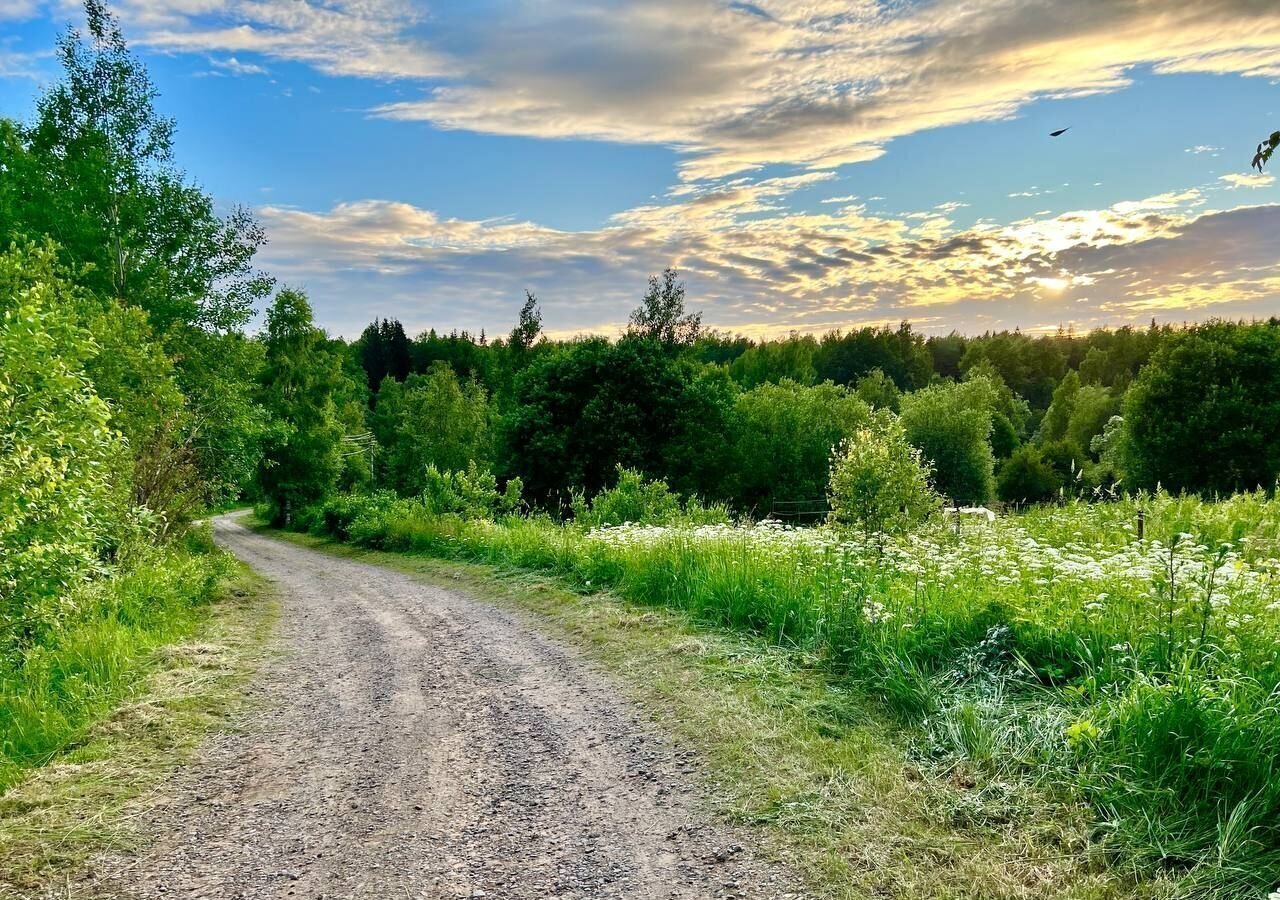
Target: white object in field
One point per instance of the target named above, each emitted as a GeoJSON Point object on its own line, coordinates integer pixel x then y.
{"type": "Point", "coordinates": [969, 511]}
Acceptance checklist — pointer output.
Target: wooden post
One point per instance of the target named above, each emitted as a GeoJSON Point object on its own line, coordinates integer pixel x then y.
{"type": "Point", "coordinates": [1142, 522]}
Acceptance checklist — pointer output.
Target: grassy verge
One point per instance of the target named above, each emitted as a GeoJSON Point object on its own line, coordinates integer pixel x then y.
{"type": "Point", "coordinates": [831, 785]}
{"type": "Point", "coordinates": [93, 797]}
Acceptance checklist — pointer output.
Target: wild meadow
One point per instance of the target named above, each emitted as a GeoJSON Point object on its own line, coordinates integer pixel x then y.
{"type": "Point", "coordinates": [1052, 647]}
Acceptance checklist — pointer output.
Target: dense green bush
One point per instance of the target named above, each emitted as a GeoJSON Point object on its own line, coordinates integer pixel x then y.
{"type": "Point", "coordinates": [782, 439]}
{"type": "Point", "coordinates": [1204, 413]}
{"type": "Point", "coordinates": [951, 424]}
{"type": "Point", "coordinates": [879, 482]}
{"type": "Point", "coordinates": [61, 506]}
{"type": "Point", "coordinates": [1027, 477]}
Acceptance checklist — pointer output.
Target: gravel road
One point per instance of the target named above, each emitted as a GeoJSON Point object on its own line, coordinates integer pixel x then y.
{"type": "Point", "coordinates": [412, 742]}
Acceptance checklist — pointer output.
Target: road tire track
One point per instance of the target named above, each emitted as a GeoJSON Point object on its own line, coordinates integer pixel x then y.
{"type": "Point", "coordinates": [412, 742]}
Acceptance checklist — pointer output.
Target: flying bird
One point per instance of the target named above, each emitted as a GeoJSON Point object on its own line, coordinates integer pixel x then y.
{"type": "Point", "coordinates": [1060, 132]}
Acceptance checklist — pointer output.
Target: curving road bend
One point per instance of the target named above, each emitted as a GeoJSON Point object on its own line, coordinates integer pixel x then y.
{"type": "Point", "coordinates": [415, 743]}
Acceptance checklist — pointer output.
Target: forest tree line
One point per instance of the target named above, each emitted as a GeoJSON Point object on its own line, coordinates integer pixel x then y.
{"type": "Point", "coordinates": [1004, 415]}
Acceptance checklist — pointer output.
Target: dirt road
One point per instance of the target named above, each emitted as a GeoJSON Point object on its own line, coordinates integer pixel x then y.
{"type": "Point", "coordinates": [415, 743]}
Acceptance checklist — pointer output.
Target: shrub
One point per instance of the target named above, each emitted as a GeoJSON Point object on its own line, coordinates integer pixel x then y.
{"type": "Point", "coordinates": [59, 510]}
{"type": "Point", "coordinates": [951, 424]}
{"type": "Point", "coordinates": [1027, 477]}
{"type": "Point", "coordinates": [631, 499]}
{"type": "Point", "coordinates": [879, 481]}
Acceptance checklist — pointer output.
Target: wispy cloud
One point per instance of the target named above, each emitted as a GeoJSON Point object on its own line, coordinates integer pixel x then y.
{"type": "Point", "coordinates": [780, 270]}
{"type": "Point", "coordinates": [1237, 180]}
{"type": "Point", "coordinates": [364, 38]}
{"type": "Point", "coordinates": [233, 66]}
{"type": "Point", "coordinates": [735, 86]}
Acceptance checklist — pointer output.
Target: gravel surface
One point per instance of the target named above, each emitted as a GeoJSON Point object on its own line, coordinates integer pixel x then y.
{"type": "Point", "coordinates": [412, 742]}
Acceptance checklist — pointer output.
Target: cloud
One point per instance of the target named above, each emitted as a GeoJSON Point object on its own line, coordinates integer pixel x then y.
{"type": "Point", "coordinates": [363, 38]}
{"type": "Point", "coordinates": [233, 66]}
{"type": "Point", "coordinates": [14, 64]}
{"type": "Point", "coordinates": [734, 86]}
{"type": "Point", "coordinates": [17, 10]}
{"type": "Point", "coordinates": [821, 83]}
{"type": "Point", "coordinates": [754, 265]}
{"type": "Point", "coordinates": [1236, 180]}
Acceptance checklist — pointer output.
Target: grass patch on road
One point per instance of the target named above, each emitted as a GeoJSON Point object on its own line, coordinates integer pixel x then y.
{"type": "Point", "coordinates": [827, 782]}
{"type": "Point", "coordinates": [95, 797]}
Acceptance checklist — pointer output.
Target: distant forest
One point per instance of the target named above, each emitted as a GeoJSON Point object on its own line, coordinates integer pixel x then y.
{"type": "Point", "coordinates": [1003, 415]}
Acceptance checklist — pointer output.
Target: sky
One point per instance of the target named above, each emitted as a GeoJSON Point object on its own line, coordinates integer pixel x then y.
{"type": "Point", "coordinates": [805, 164]}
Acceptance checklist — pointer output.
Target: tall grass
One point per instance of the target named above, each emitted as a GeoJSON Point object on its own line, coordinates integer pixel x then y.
{"type": "Point", "coordinates": [1056, 647]}
{"type": "Point", "coordinates": [53, 691]}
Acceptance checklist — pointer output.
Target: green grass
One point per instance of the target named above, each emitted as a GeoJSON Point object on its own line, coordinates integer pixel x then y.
{"type": "Point", "coordinates": [53, 690]}
{"type": "Point", "coordinates": [828, 781]}
{"type": "Point", "coordinates": [95, 795]}
{"type": "Point", "coordinates": [1052, 653]}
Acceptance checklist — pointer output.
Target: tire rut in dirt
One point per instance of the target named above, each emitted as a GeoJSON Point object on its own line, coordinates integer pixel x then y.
{"type": "Point", "coordinates": [413, 742]}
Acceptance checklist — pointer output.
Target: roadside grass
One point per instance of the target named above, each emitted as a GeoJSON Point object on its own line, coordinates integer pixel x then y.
{"type": "Point", "coordinates": [829, 783]}
{"type": "Point", "coordinates": [95, 797]}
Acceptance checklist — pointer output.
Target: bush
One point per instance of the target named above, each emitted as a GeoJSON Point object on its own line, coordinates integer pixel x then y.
{"type": "Point", "coordinates": [879, 481]}
{"type": "Point", "coordinates": [1027, 477]}
{"type": "Point", "coordinates": [59, 510]}
{"type": "Point", "coordinates": [471, 494]}
{"type": "Point", "coordinates": [951, 424]}
{"type": "Point", "coordinates": [631, 499]}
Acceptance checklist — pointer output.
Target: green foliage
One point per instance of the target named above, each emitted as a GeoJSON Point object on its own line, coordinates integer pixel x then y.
{"type": "Point", "coordinates": [300, 377]}
{"type": "Point", "coordinates": [472, 493]}
{"type": "Point", "coordinates": [661, 317]}
{"type": "Point", "coordinates": [1265, 149]}
{"type": "Point", "coordinates": [1031, 367]}
{"type": "Point", "coordinates": [772, 361]}
{"type": "Point", "coordinates": [587, 407]}
{"type": "Point", "coordinates": [900, 353]}
{"type": "Point", "coordinates": [879, 482]}
{"type": "Point", "coordinates": [528, 326]}
{"type": "Point", "coordinates": [60, 507]}
{"type": "Point", "coordinates": [1027, 477]}
{"type": "Point", "coordinates": [97, 175]}
{"type": "Point", "coordinates": [1204, 414]}
{"type": "Point", "coordinates": [1053, 427]}
{"type": "Point", "coordinates": [383, 351]}
{"type": "Point", "coordinates": [430, 420]}
{"type": "Point", "coordinates": [78, 672]}
{"type": "Point", "coordinates": [631, 499]}
{"type": "Point", "coordinates": [951, 424]}
{"type": "Point", "coordinates": [878, 391]}
{"type": "Point", "coordinates": [782, 440]}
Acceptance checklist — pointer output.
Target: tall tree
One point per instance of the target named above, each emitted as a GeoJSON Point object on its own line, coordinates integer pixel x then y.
{"type": "Point", "coordinates": [661, 316]}
{"type": "Point", "coordinates": [951, 424]}
{"type": "Point", "coordinates": [1204, 413]}
{"type": "Point", "coordinates": [431, 420]}
{"type": "Point", "coordinates": [99, 178]}
{"type": "Point", "coordinates": [395, 345]}
{"type": "Point", "coordinates": [300, 377]}
{"type": "Point", "coordinates": [529, 326]}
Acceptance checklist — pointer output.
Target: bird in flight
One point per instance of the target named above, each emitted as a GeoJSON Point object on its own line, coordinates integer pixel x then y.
{"type": "Point", "coordinates": [1060, 132]}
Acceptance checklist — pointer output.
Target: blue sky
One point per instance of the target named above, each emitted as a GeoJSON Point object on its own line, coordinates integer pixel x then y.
{"type": "Point", "coordinates": [806, 166]}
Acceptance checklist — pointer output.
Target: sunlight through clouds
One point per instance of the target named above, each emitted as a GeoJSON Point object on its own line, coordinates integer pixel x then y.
{"type": "Point", "coordinates": [767, 107]}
